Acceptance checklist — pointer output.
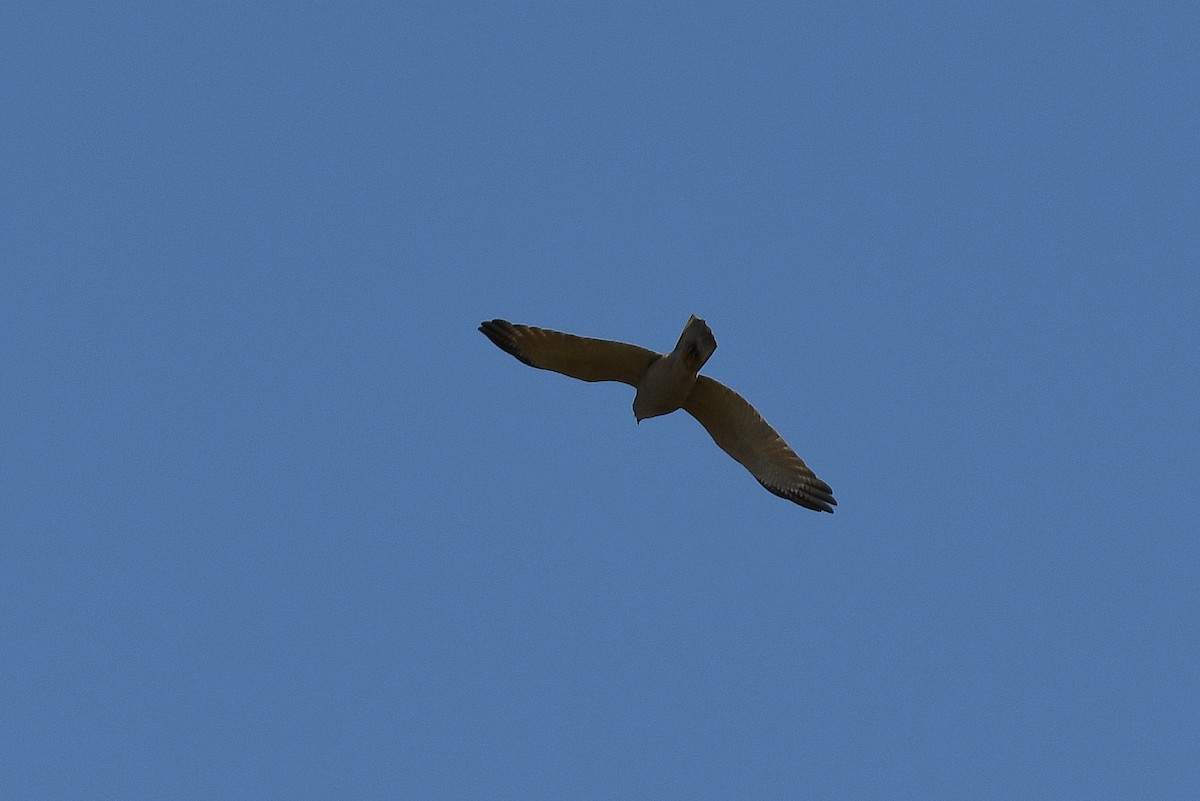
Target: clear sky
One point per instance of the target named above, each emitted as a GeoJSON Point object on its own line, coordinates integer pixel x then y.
{"type": "Point", "coordinates": [278, 522]}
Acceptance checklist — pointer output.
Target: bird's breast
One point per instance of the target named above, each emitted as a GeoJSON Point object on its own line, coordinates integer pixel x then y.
{"type": "Point", "coordinates": [663, 388]}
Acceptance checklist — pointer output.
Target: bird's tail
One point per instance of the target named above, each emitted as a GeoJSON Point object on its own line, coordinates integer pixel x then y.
{"type": "Point", "coordinates": [696, 343]}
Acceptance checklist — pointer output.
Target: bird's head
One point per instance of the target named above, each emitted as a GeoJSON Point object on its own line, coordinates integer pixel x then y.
{"type": "Point", "coordinates": [639, 413]}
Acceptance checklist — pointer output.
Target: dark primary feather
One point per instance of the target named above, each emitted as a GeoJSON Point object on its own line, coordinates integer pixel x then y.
{"type": "Point", "coordinates": [503, 335]}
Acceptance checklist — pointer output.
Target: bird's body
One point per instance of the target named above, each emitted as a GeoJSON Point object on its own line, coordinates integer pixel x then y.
{"type": "Point", "coordinates": [666, 382]}
{"type": "Point", "coordinates": [669, 379]}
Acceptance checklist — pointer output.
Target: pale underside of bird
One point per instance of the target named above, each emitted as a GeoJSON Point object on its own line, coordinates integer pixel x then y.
{"type": "Point", "coordinates": [669, 381]}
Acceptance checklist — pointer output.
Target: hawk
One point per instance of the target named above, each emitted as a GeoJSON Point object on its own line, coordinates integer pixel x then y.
{"type": "Point", "coordinates": [670, 381]}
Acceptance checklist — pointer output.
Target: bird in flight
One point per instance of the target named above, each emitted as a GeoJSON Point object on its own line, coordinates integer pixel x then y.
{"type": "Point", "coordinates": [670, 381]}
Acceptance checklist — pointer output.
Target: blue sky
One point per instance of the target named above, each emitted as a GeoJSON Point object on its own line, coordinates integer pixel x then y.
{"type": "Point", "coordinates": [278, 522]}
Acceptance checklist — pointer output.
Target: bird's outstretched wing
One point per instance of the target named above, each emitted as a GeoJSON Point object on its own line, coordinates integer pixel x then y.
{"type": "Point", "coordinates": [579, 357]}
{"type": "Point", "coordinates": [741, 432]}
